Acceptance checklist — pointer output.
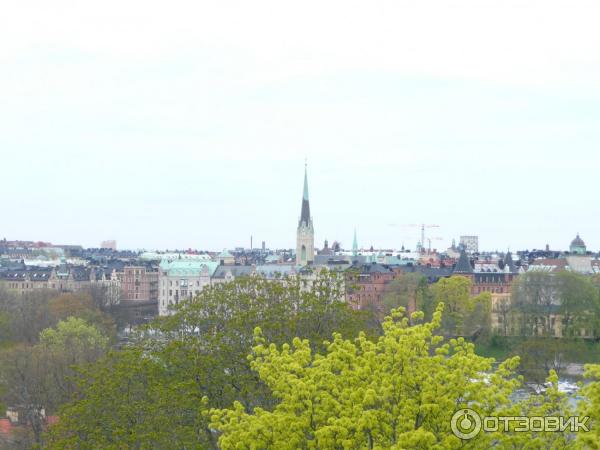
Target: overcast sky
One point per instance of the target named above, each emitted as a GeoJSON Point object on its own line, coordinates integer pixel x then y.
{"type": "Point", "coordinates": [186, 123]}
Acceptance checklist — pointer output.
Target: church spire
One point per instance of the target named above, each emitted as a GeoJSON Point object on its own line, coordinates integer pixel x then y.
{"type": "Point", "coordinates": [354, 245]}
{"type": "Point", "coordinates": [305, 234]}
{"type": "Point", "coordinates": [508, 262]}
{"type": "Point", "coordinates": [305, 214]}
{"type": "Point", "coordinates": [463, 266]}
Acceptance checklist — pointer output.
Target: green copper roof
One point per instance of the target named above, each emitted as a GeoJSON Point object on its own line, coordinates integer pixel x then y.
{"type": "Point", "coordinates": [155, 256]}
{"type": "Point", "coordinates": [305, 193]}
{"type": "Point", "coordinates": [190, 267]}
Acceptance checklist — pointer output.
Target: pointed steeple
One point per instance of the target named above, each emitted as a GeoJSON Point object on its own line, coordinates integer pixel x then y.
{"type": "Point", "coordinates": [305, 214]}
{"type": "Point", "coordinates": [305, 193]}
{"type": "Point", "coordinates": [463, 265]}
{"type": "Point", "coordinates": [305, 234]}
{"type": "Point", "coordinates": [355, 245]}
{"type": "Point", "coordinates": [508, 262]}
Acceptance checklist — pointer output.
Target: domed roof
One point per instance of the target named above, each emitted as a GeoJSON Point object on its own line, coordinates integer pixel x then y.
{"type": "Point", "coordinates": [577, 242]}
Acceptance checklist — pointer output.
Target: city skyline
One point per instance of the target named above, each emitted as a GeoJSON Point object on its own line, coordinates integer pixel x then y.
{"type": "Point", "coordinates": [412, 233]}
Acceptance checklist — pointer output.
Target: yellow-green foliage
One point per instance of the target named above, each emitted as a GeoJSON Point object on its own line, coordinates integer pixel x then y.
{"type": "Point", "coordinates": [398, 392]}
{"type": "Point", "coordinates": [590, 406]}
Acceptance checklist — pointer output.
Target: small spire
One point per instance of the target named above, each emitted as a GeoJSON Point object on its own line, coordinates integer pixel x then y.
{"type": "Point", "coordinates": [305, 193]}
{"type": "Point", "coordinates": [355, 245]}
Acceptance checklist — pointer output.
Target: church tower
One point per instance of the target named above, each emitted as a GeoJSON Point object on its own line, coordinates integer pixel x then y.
{"type": "Point", "coordinates": [305, 235]}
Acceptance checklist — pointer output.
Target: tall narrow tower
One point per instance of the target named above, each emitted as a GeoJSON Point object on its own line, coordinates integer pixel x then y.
{"type": "Point", "coordinates": [305, 235]}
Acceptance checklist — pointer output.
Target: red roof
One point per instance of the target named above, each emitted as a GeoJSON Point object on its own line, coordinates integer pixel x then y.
{"type": "Point", "coordinates": [5, 426]}
{"type": "Point", "coordinates": [52, 420]}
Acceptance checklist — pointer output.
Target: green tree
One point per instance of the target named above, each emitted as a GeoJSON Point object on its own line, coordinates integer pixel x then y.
{"type": "Point", "coordinates": [24, 316]}
{"type": "Point", "coordinates": [536, 300]}
{"type": "Point", "coordinates": [72, 343]}
{"type": "Point", "coordinates": [550, 403]}
{"type": "Point", "coordinates": [39, 378]}
{"type": "Point", "coordinates": [187, 381]}
{"type": "Point", "coordinates": [549, 304]}
{"type": "Point", "coordinates": [465, 315]}
{"type": "Point", "coordinates": [65, 305]}
{"type": "Point", "coordinates": [5, 329]}
{"type": "Point", "coordinates": [28, 314]}
{"type": "Point", "coordinates": [202, 350]}
{"type": "Point", "coordinates": [23, 379]}
{"type": "Point", "coordinates": [130, 399]}
{"type": "Point", "coordinates": [540, 355]}
{"type": "Point", "coordinates": [398, 392]}
{"type": "Point", "coordinates": [579, 304]}
{"type": "Point", "coordinates": [589, 406]}
{"type": "Point", "coordinates": [408, 291]}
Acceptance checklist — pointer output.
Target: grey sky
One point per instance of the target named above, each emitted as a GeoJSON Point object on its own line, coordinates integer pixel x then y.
{"type": "Point", "coordinates": [186, 124]}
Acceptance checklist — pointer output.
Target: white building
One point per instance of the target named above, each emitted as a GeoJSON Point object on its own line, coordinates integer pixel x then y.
{"type": "Point", "coordinates": [181, 279]}
{"type": "Point", "coordinates": [470, 243]}
{"type": "Point", "coordinates": [110, 244]}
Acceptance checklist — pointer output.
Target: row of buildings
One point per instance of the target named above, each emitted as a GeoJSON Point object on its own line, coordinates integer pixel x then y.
{"type": "Point", "coordinates": [163, 279]}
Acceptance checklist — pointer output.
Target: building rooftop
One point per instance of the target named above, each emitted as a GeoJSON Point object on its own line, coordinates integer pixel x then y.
{"type": "Point", "coordinates": [236, 271]}
{"type": "Point", "coordinates": [271, 270]}
{"type": "Point", "coordinates": [189, 267]}
{"type": "Point", "coordinates": [463, 265]}
{"type": "Point", "coordinates": [577, 242]}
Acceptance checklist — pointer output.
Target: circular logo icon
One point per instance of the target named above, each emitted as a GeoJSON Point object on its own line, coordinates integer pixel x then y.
{"type": "Point", "coordinates": [465, 423]}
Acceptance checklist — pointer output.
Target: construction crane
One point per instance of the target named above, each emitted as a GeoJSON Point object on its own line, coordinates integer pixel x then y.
{"type": "Point", "coordinates": [422, 226]}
